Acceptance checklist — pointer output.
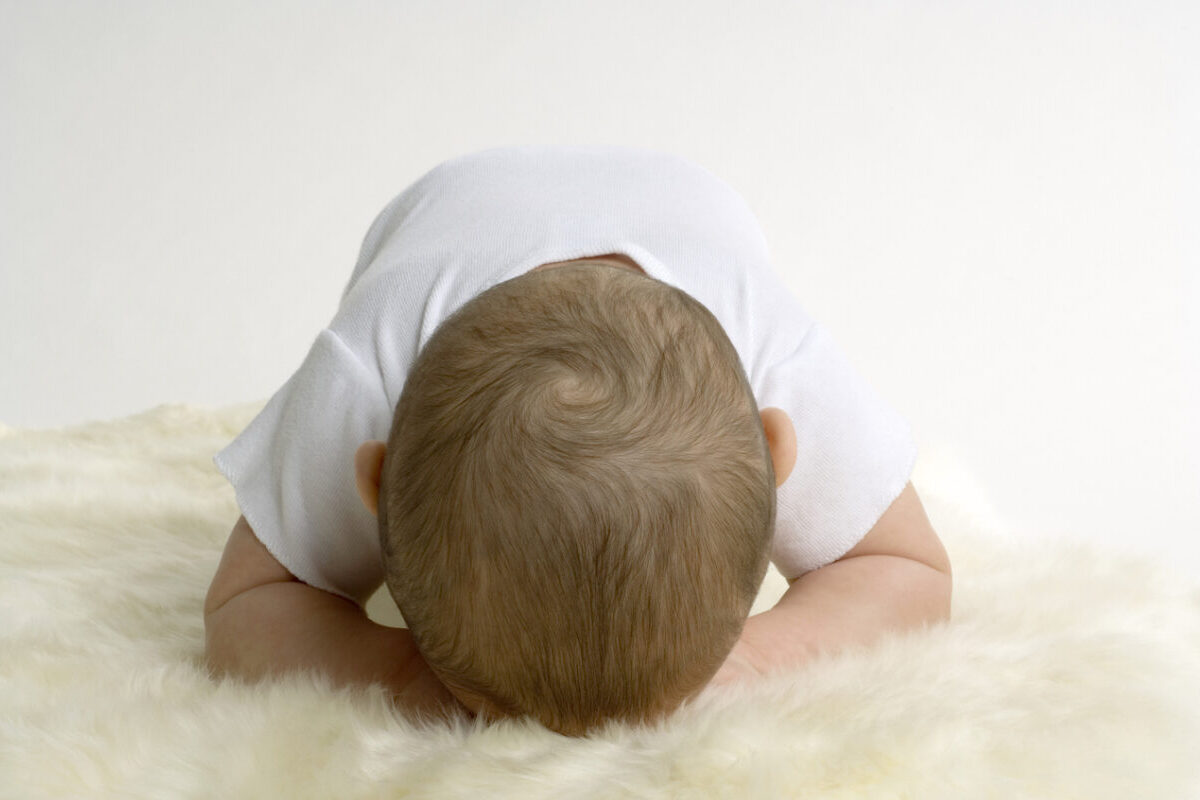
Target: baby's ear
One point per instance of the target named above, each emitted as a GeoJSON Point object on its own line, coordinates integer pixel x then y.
{"type": "Point", "coordinates": [781, 439]}
{"type": "Point", "coordinates": [368, 466]}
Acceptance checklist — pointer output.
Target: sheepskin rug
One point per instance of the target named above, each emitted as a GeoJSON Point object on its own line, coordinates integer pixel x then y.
{"type": "Point", "coordinates": [1066, 672]}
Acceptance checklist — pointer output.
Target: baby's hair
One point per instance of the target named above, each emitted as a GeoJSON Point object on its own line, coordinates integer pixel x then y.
{"type": "Point", "coordinates": [577, 498]}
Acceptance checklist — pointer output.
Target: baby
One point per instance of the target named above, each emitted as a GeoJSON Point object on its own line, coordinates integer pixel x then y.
{"type": "Point", "coordinates": [568, 412]}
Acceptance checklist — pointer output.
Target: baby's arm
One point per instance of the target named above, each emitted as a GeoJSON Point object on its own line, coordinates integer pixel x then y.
{"type": "Point", "coordinates": [897, 578]}
{"type": "Point", "coordinates": [259, 620]}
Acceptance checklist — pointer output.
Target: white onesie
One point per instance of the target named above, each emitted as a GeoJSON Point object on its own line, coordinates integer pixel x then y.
{"type": "Point", "coordinates": [483, 218]}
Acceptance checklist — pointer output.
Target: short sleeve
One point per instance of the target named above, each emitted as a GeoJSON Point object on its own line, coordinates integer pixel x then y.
{"type": "Point", "coordinates": [854, 454]}
{"type": "Point", "coordinates": [292, 470]}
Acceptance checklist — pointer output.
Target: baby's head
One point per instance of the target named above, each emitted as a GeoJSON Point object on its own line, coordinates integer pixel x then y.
{"type": "Point", "coordinates": [577, 498]}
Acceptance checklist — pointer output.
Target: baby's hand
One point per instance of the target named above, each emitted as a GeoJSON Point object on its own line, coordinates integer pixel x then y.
{"type": "Point", "coordinates": [742, 663]}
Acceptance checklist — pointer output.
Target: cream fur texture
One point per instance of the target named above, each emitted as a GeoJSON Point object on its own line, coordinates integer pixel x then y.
{"type": "Point", "coordinates": [1066, 672]}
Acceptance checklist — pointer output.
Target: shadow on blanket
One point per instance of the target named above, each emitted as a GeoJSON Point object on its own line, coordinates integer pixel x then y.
{"type": "Point", "coordinates": [1067, 671]}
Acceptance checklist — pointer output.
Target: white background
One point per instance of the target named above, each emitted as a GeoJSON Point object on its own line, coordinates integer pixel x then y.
{"type": "Point", "coordinates": [993, 206]}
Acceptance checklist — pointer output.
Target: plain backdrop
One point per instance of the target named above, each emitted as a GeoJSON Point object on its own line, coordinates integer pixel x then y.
{"type": "Point", "coordinates": [993, 206]}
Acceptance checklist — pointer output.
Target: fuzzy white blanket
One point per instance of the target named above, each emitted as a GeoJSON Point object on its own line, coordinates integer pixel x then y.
{"type": "Point", "coordinates": [1066, 672]}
